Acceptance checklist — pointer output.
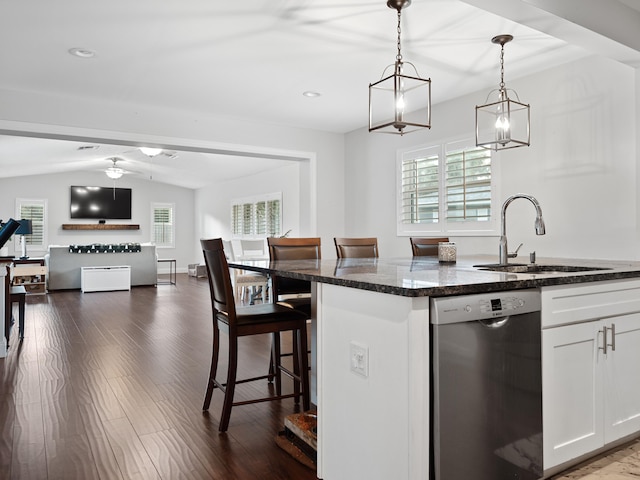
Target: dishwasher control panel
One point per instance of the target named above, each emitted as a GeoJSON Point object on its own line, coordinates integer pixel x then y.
{"type": "Point", "coordinates": [468, 308]}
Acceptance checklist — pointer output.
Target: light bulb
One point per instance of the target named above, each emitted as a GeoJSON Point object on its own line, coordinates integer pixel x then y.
{"type": "Point", "coordinates": [503, 134]}
{"type": "Point", "coordinates": [114, 172]}
{"type": "Point", "coordinates": [502, 123]}
{"type": "Point", "coordinates": [502, 130]}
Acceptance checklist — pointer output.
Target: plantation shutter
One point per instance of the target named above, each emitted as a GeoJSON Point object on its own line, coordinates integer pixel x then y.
{"type": "Point", "coordinates": [420, 188]}
{"type": "Point", "coordinates": [273, 218]}
{"type": "Point", "coordinates": [260, 217]}
{"type": "Point", "coordinates": [33, 210]}
{"type": "Point", "coordinates": [468, 185]}
{"type": "Point", "coordinates": [163, 225]}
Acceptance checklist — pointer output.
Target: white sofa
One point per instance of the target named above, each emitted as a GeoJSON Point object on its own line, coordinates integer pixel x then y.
{"type": "Point", "coordinates": [64, 266]}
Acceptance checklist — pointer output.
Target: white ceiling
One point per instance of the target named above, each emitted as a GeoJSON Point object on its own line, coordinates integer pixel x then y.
{"type": "Point", "coordinates": [254, 59]}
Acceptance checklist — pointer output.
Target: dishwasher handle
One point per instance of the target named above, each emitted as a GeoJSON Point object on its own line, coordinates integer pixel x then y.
{"type": "Point", "coordinates": [495, 322]}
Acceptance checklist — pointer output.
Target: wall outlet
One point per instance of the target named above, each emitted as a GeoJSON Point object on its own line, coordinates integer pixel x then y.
{"type": "Point", "coordinates": [359, 358]}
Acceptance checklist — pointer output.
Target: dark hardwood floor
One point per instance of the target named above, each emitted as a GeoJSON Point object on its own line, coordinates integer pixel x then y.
{"type": "Point", "coordinates": [110, 385]}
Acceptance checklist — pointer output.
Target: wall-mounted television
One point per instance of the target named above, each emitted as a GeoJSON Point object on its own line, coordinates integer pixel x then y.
{"type": "Point", "coordinates": [101, 203]}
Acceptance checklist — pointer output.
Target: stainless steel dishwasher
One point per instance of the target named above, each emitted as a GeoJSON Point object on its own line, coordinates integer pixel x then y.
{"type": "Point", "coordinates": [487, 386]}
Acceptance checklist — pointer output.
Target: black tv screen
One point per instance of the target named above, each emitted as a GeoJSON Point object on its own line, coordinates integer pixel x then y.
{"type": "Point", "coordinates": [101, 203]}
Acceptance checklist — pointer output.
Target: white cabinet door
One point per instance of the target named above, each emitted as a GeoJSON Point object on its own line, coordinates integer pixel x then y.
{"type": "Point", "coordinates": [571, 392]}
{"type": "Point", "coordinates": [622, 377]}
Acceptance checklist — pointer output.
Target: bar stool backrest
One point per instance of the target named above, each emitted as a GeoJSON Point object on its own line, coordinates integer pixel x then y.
{"type": "Point", "coordinates": [356, 247]}
{"type": "Point", "coordinates": [292, 249]}
{"type": "Point", "coordinates": [426, 247]}
{"type": "Point", "coordinates": [222, 299]}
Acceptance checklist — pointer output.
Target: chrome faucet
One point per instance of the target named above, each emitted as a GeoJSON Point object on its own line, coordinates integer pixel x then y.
{"type": "Point", "coordinates": [539, 224]}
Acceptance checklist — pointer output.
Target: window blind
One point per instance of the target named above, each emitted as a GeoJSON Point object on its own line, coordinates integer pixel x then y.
{"type": "Point", "coordinates": [33, 210]}
{"type": "Point", "coordinates": [163, 225]}
{"type": "Point", "coordinates": [445, 188]}
{"type": "Point", "coordinates": [256, 218]}
{"type": "Point", "coordinates": [420, 190]}
{"type": "Point", "coordinates": [468, 185]}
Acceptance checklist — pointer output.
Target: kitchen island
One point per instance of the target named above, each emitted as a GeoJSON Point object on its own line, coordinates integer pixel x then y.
{"type": "Point", "coordinates": [374, 422]}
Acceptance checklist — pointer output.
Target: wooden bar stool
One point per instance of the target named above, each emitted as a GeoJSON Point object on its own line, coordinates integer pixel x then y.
{"type": "Point", "coordinates": [243, 321]}
{"type": "Point", "coordinates": [290, 292]}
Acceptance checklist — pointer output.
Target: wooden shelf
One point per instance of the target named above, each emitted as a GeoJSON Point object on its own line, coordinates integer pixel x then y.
{"type": "Point", "coordinates": [31, 274]}
{"type": "Point", "coordinates": [100, 226]}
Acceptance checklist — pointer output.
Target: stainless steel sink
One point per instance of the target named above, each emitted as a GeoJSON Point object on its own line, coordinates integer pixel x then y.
{"type": "Point", "coordinates": [535, 268]}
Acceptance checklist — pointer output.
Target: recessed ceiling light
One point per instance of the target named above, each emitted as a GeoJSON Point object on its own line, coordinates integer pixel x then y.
{"type": "Point", "coordinates": [82, 52]}
{"type": "Point", "coordinates": [311, 94]}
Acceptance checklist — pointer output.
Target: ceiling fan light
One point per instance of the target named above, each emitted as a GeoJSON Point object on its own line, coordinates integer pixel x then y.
{"type": "Point", "coordinates": [150, 151]}
{"type": "Point", "coordinates": [114, 172]}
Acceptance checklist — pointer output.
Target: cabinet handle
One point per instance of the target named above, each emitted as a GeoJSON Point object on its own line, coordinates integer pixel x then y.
{"type": "Point", "coordinates": [604, 340]}
{"type": "Point", "coordinates": [613, 337]}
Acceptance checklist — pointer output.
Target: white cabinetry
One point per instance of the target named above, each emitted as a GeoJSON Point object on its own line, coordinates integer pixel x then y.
{"type": "Point", "coordinates": [591, 367]}
{"type": "Point", "coordinates": [622, 377]}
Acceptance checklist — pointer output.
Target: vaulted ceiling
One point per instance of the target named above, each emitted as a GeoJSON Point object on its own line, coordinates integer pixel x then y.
{"type": "Point", "coordinates": [254, 59]}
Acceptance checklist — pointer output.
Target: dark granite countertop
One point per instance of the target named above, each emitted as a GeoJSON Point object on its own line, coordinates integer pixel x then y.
{"type": "Point", "coordinates": [419, 277]}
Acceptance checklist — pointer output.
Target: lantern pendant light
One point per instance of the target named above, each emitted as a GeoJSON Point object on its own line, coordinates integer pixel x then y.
{"type": "Point", "coordinates": [502, 123]}
{"type": "Point", "coordinates": [399, 103]}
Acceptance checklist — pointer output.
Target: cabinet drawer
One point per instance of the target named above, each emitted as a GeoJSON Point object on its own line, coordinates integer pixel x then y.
{"type": "Point", "coordinates": [28, 270]}
{"type": "Point", "coordinates": [567, 304]}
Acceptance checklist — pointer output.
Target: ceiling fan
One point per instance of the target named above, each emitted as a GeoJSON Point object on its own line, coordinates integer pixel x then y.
{"type": "Point", "coordinates": [115, 172]}
{"type": "Point", "coordinates": [152, 152]}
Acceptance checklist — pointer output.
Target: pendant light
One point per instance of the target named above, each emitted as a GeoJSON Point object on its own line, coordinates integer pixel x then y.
{"type": "Point", "coordinates": [114, 171]}
{"type": "Point", "coordinates": [399, 103]}
{"type": "Point", "coordinates": [502, 122]}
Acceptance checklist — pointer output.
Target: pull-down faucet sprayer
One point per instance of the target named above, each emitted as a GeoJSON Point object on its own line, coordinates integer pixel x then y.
{"type": "Point", "coordinates": [539, 225]}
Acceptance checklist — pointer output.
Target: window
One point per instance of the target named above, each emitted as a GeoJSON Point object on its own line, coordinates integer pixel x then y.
{"type": "Point", "coordinates": [446, 189]}
{"type": "Point", "coordinates": [163, 224]}
{"type": "Point", "coordinates": [34, 210]}
{"type": "Point", "coordinates": [257, 217]}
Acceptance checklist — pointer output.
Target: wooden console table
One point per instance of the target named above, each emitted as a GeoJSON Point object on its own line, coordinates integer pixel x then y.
{"type": "Point", "coordinates": [100, 226]}
{"type": "Point", "coordinates": [31, 274]}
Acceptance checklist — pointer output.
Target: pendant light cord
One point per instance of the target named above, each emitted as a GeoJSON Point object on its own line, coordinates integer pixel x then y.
{"type": "Point", "coordinates": [502, 67]}
{"type": "Point", "coordinates": [399, 55]}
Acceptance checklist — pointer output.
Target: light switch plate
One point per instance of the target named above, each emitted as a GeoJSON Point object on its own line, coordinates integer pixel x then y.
{"type": "Point", "coordinates": [359, 359]}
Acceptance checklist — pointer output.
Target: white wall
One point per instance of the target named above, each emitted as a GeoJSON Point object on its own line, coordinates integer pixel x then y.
{"type": "Point", "coordinates": [213, 204]}
{"type": "Point", "coordinates": [55, 189]}
{"type": "Point", "coordinates": [581, 166]}
{"type": "Point", "coordinates": [322, 188]}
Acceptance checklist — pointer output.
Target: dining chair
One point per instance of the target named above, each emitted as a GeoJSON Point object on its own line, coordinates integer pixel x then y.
{"type": "Point", "coordinates": [246, 284]}
{"type": "Point", "coordinates": [356, 247]}
{"type": "Point", "coordinates": [290, 292]}
{"type": "Point", "coordinates": [239, 322]}
{"type": "Point", "coordinates": [426, 247]}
